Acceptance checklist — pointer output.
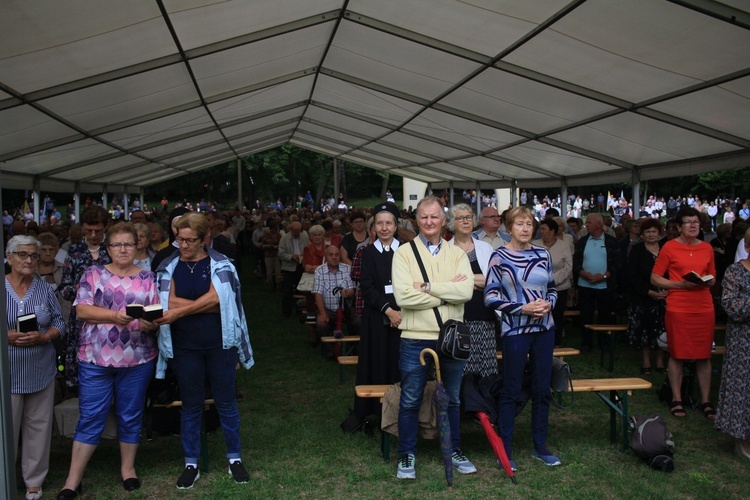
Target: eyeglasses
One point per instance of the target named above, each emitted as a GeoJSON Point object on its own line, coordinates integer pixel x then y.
{"type": "Point", "coordinates": [691, 223]}
{"type": "Point", "coordinates": [490, 217]}
{"type": "Point", "coordinates": [189, 241]}
{"type": "Point", "coordinates": [26, 255]}
{"type": "Point", "coordinates": [93, 231]}
{"type": "Point", "coordinates": [122, 246]}
{"type": "Point", "coordinates": [465, 218]}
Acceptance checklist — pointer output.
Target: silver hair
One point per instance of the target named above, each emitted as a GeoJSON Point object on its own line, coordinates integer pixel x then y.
{"type": "Point", "coordinates": [21, 240]}
{"type": "Point", "coordinates": [316, 229]}
{"type": "Point", "coordinates": [139, 226]}
{"type": "Point", "coordinates": [452, 216]}
{"type": "Point", "coordinates": [430, 199]}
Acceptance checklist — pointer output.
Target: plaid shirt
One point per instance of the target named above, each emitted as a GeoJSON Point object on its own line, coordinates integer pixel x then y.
{"type": "Point", "coordinates": [356, 274]}
{"type": "Point", "coordinates": [326, 281]}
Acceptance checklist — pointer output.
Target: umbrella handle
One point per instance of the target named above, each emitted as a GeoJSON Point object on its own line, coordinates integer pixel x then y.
{"type": "Point", "coordinates": [435, 358]}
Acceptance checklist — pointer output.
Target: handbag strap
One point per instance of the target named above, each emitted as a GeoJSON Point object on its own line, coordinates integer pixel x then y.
{"type": "Point", "coordinates": [426, 279]}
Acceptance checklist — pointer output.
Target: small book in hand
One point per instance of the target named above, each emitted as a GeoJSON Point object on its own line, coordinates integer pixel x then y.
{"type": "Point", "coordinates": [696, 278]}
{"type": "Point", "coordinates": [149, 313]}
{"type": "Point", "coordinates": [27, 323]}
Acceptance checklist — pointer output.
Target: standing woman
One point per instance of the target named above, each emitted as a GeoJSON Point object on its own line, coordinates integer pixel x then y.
{"type": "Point", "coordinates": [203, 333]}
{"type": "Point", "coordinates": [689, 319]}
{"type": "Point", "coordinates": [116, 356]}
{"type": "Point", "coordinates": [646, 301]}
{"type": "Point", "coordinates": [733, 412]}
{"type": "Point", "coordinates": [481, 321]}
{"type": "Point", "coordinates": [143, 253]}
{"type": "Point", "coordinates": [380, 337]}
{"type": "Point", "coordinates": [562, 269]}
{"type": "Point", "coordinates": [51, 270]}
{"type": "Point", "coordinates": [81, 256]}
{"type": "Point", "coordinates": [31, 358]}
{"type": "Point", "coordinates": [312, 257]}
{"type": "Point", "coordinates": [520, 284]}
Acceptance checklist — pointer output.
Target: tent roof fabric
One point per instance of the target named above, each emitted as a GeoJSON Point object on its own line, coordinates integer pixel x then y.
{"type": "Point", "coordinates": [540, 93]}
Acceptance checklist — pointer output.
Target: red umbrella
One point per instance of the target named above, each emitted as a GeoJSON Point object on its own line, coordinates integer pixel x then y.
{"type": "Point", "coordinates": [497, 444]}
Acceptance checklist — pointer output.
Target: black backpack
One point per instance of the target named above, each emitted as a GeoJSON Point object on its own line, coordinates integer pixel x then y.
{"type": "Point", "coordinates": [652, 441]}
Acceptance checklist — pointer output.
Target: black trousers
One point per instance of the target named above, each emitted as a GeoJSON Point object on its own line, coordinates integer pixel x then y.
{"type": "Point", "coordinates": [591, 300]}
{"type": "Point", "coordinates": [289, 283]}
{"type": "Point", "coordinates": [558, 315]}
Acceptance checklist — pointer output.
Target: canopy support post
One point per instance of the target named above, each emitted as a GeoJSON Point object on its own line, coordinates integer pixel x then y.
{"type": "Point", "coordinates": [513, 193]}
{"type": "Point", "coordinates": [478, 191]}
{"type": "Point", "coordinates": [37, 193]}
{"type": "Point", "coordinates": [77, 203]}
{"type": "Point", "coordinates": [564, 198]}
{"type": "Point", "coordinates": [636, 192]}
{"type": "Point", "coordinates": [105, 201]}
{"type": "Point", "coordinates": [126, 203]}
{"type": "Point", "coordinates": [450, 187]}
{"type": "Point", "coordinates": [239, 185]}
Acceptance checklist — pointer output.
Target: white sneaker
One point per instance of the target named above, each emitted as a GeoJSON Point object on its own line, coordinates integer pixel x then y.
{"type": "Point", "coordinates": [406, 469]}
{"type": "Point", "coordinates": [461, 463]}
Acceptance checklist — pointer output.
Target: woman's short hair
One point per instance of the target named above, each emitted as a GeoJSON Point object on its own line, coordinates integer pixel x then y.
{"type": "Point", "coordinates": [95, 215]}
{"type": "Point", "coordinates": [551, 225]}
{"type": "Point", "coordinates": [48, 239]}
{"type": "Point", "coordinates": [317, 229]}
{"type": "Point", "coordinates": [747, 237]}
{"type": "Point", "coordinates": [140, 226]}
{"type": "Point", "coordinates": [517, 213]}
{"type": "Point", "coordinates": [452, 216]}
{"type": "Point", "coordinates": [195, 221]}
{"type": "Point", "coordinates": [562, 226]}
{"type": "Point", "coordinates": [357, 215]}
{"type": "Point", "coordinates": [21, 240]}
{"type": "Point", "coordinates": [122, 228]}
{"type": "Point", "coordinates": [724, 230]}
{"type": "Point", "coordinates": [686, 212]}
{"type": "Point", "coordinates": [326, 225]}
{"type": "Point", "coordinates": [649, 223]}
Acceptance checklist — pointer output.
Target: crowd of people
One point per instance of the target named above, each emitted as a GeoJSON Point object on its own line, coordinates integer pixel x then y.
{"type": "Point", "coordinates": [392, 276]}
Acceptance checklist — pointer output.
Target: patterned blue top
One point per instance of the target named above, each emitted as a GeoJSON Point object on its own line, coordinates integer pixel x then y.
{"type": "Point", "coordinates": [516, 278]}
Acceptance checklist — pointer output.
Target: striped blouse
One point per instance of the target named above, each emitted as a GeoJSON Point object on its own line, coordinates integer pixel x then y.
{"type": "Point", "coordinates": [33, 368]}
{"type": "Point", "coordinates": [516, 278]}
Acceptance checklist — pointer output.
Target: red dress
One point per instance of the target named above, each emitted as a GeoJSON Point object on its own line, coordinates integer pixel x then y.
{"type": "Point", "coordinates": [689, 319]}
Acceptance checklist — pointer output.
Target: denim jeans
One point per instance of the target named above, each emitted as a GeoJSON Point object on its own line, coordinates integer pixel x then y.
{"type": "Point", "coordinates": [413, 381]}
{"type": "Point", "coordinates": [97, 386]}
{"type": "Point", "coordinates": [538, 346]}
{"type": "Point", "coordinates": [192, 369]}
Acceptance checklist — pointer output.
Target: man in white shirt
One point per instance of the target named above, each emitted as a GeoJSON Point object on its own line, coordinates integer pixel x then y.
{"type": "Point", "coordinates": [490, 221]}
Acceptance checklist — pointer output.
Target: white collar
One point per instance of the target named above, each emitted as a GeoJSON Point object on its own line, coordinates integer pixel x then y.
{"type": "Point", "coordinates": [379, 245]}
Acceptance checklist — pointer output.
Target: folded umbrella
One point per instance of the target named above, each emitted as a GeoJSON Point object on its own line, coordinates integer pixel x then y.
{"type": "Point", "coordinates": [441, 400]}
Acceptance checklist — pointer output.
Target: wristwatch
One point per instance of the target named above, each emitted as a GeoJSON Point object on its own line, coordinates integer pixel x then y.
{"type": "Point", "coordinates": [424, 287]}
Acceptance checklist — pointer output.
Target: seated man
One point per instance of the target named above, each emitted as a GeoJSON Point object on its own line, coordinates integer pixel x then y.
{"type": "Point", "coordinates": [332, 286]}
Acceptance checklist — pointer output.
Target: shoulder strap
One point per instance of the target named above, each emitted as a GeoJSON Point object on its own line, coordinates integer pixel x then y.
{"type": "Point", "coordinates": [427, 280]}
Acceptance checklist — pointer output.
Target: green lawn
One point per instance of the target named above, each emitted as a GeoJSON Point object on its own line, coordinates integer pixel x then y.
{"type": "Point", "coordinates": [293, 403]}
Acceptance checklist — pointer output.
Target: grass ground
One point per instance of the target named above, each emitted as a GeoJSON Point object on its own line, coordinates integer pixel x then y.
{"type": "Point", "coordinates": [293, 403]}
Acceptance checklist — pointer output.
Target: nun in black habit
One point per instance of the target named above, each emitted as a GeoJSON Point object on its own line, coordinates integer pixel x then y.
{"type": "Point", "coordinates": [380, 337]}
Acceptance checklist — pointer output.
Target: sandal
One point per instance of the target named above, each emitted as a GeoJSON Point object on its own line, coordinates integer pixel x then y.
{"type": "Point", "coordinates": [677, 409]}
{"type": "Point", "coordinates": [708, 410]}
{"type": "Point", "coordinates": [646, 370]}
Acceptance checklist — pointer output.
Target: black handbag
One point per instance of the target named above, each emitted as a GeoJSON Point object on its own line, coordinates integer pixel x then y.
{"type": "Point", "coordinates": [454, 339]}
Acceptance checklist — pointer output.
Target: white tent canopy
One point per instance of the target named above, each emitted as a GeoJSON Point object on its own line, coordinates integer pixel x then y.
{"type": "Point", "coordinates": [122, 94]}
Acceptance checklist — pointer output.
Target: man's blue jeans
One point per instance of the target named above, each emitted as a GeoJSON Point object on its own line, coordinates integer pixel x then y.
{"type": "Point", "coordinates": [539, 347]}
{"type": "Point", "coordinates": [413, 381]}
{"type": "Point", "coordinates": [192, 368]}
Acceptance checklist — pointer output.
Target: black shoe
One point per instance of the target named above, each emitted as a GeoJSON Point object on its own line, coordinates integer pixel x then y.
{"type": "Point", "coordinates": [238, 472]}
{"type": "Point", "coordinates": [188, 478]}
{"type": "Point", "coordinates": [131, 484]}
{"type": "Point", "coordinates": [68, 493]}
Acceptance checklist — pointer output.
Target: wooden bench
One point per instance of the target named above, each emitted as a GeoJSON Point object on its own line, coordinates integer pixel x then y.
{"type": "Point", "coordinates": [559, 352]}
{"type": "Point", "coordinates": [348, 345]}
{"type": "Point", "coordinates": [204, 436]}
{"type": "Point", "coordinates": [610, 330]}
{"type": "Point", "coordinates": [345, 361]}
{"type": "Point", "coordinates": [377, 391]}
{"type": "Point", "coordinates": [619, 389]}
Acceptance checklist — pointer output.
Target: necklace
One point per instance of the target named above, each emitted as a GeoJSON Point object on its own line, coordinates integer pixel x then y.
{"type": "Point", "coordinates": [689, 247]}
{"type": "Point", "coordinates": [192, 268]}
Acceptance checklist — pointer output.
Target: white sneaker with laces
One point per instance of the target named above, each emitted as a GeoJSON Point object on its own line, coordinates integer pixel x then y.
{"type": "Point", "coordinates": [406, 467]}
{"type": "Point", "coordinates": [461, 463]}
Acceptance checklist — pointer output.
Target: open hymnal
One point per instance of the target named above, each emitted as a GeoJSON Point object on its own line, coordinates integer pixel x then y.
{"type": "Point", "coordinates": [149, 313]}
{"type": "Point", "coordinates": [696, 278]}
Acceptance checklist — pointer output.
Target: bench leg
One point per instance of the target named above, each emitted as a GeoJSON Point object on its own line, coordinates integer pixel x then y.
{"type": "Point", "coordinates": [612, 346]}
{"type": "Point", "coordinates": [612, 417]}
{"type": "Point", "coordinates": [385, 445]}
{"type": "Point", "coordinates": [625, 424]}
{"type": "Point", "coordinates": [618, 405]}
{"type": "Point", "coordinates": [342, 374]}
